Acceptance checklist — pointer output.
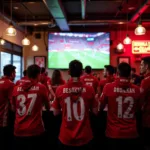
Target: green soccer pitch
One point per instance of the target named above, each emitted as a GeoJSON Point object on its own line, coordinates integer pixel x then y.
{"type": "Point", "coordinates": [61, 59]}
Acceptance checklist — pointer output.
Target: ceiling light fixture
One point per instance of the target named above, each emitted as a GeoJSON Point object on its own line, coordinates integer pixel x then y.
{"type": "Point", "coordinates": [120, 46]}
{"type": "Point", "coordinates": [140, 30]}
{"type": "Point", "coordinates": [35, 48]}
{"type": "Point", "coordinates": [11, 31]}
{"type": "Point", "coordinates": [127, 40]}
{"type": "Point", "coordinates": [25, 41]}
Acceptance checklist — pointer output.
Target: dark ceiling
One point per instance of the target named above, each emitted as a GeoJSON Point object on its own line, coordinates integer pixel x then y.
{"type": "Point", "coordinates": [66, 15]}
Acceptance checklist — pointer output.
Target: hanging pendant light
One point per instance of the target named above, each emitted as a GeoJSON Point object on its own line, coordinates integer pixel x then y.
{"type": "Point", "coordinates": [127, 40]}
{"type": "Point", "coordinates": [140, 30]}
{"type": "Point", "coordinates": [35, 48]}
{"type": "Point", "coordinates": [120, 46]}
{"type": "Point", "coordinates": [11, 31]}
{"type": "Point", "coordinates": [25, 41]}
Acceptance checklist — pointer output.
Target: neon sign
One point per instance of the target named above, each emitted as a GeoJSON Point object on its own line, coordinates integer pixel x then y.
{"type": "Point", "coordinates": [141, 47]}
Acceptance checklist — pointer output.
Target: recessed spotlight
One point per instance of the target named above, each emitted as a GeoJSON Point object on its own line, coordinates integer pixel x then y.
{"type": "Point", "coordinates": [16, 8]}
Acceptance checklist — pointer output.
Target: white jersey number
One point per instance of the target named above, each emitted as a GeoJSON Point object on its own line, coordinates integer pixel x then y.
{"type": "Point", "coordinates": [127, 113]}
{"type": "Point", "coordinates": [22, 99]}
{"type": "Point", "coordinates": [75, 109]}
{"type": "Point", "coordinates": [89, 83]}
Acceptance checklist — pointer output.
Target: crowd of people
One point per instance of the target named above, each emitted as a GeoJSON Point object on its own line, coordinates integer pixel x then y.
{"type": "Point", "coordinates": [83, 113]}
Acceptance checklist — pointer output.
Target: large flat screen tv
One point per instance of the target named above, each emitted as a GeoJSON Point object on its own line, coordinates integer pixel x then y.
{"type": "Point", "coordinates": [90, 48]}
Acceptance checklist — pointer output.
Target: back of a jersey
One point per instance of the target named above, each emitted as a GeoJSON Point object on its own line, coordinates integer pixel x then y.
{"type": "Point", "coordinates": [123, 99]}
{"type": "Point", "coordinates": [90, 80]}
{"type": "Point", "coordinates": [28, 101]}
{"type": "Point", "coordinates": [6, 88]}
{"type": "Point", "coordinates": [75, 100]}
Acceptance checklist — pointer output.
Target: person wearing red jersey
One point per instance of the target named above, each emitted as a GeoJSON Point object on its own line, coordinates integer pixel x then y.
{"type": "Point", "coordinates": [27, 102]}
{"type": "Point", "coordinates": [109, 77]}
{"type": "Point", "coordinates": [45, 80]}
{"type": "Point", "coordinates": [75, 99]}
{"type": "Point", "coordinates": [122, 98]}
{"type": "Point", "coordinates": [23, 79]}
{"type": "Point", "coordinates": [145, 89]}
{"type": "Point", "coordinates": [89, 79]}
{"type": "Point", "coordinates": [56, 80]}
{"type": "Point", "coordinates": [6, 88]}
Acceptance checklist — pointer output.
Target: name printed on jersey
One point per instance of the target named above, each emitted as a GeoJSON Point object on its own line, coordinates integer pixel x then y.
{"type": "Point", "coordinates": [74, 90]}
{"type": "Point", "coordinates": [121, 90]}
{"type": "Point", "coordinates": [34, 88]}
{"type": "Point", "coordinates": [87, 79]}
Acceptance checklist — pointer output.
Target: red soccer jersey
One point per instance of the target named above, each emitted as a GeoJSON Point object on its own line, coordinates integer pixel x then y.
{"type": "Point", "coordinates": [122, 98]}
{"type": "Point", "coordinates": [6, 88]}
{"type": "Point", "coordinates": [54, 87]}
{"type": "Point", "coordinates": [75, 128]}
{"type": "Point", "coordinates": [103, 82]}
{"type": "Point", "coordinates": [28, 100]}
{"type": "Point", "coordinates": [23, 79]}
{"type": "Point", "coordinates": [145, 91]}
{"type": "Point", "coordinates": [90, 80]}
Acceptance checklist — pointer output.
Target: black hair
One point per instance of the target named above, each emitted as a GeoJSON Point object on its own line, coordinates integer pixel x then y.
{"type": "Point", "coordinates": [43, 70]}
{"type": "Point", "coordinates": [24, 73]}
{"type": "Point", "coordinates": [56, 77]}
{"type": "Point", "coordinates": [33, 71]}
{"type": "Point", "coordinates": [88, 69]}
{"type": "Point", "coordinates": [146, 60]}
{"type": "Point", "coordinates": [8, 70]}
{"type": "Point", "coordinates": [124, 70]}
{"type": "Point", "coordinates": [110, 69]}
{"type": "Point", "coordinates": [75, 68]}
{"type": "Point", "coordinates": [133, 69]}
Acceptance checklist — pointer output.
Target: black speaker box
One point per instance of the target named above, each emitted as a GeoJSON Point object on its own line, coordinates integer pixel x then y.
{"type": "Point", "coordinates": [37, 35]}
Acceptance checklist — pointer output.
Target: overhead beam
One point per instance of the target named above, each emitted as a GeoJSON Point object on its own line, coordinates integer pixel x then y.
{"type": "Point", "coordinates": [140, 11]}
{"type": "Point", "coordinates": [56, 9]}
{"type": "Point", "coordinates": [83, 8]}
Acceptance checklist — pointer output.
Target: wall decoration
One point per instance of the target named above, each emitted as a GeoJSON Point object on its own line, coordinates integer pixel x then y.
{"type": "Point", "coordinates": [40, 61]}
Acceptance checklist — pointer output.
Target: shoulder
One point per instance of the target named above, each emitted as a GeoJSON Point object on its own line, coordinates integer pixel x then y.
{"type": "Point", "coordinates": [10, 83]}
{"type": "Point", "coordinates": [103, 81]}
{"type": "Point", "coordinates": [109, 85]}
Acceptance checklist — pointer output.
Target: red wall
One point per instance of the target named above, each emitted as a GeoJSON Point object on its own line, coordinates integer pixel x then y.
{"type": "Point", "coordinates": [115, 37]}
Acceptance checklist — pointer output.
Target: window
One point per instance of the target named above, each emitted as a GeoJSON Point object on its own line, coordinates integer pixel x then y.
{"type": "Point", "coordinates": [5, 59]}
{"type": "Point", "coordinates": [11, 54]}
{"type": "Point", "coordinates": [17, 64]}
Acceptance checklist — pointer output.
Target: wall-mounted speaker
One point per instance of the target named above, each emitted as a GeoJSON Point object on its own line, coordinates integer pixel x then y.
{"type": "Point", "coordinates": [37, 35]}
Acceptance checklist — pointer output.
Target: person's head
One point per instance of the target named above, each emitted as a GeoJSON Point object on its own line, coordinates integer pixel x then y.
{"type": "Point", "coordinates": [56, 77]}
{"type": "Point", "coordinates": [124, 70]}
{"type": "Point", "coordinates": [46, 73]}
{"type": "Point", "coordinates": [145, 65]}
{"type": "Point", "coordinates": [108, 70]}
{"type": "Point", "coordinates": [43, 70]}
{"type": "Point", "coordinates": [10, 71]}
{"type": "Point", "coordinates": [25, 73]}
{"type": "Point", "coordinates": [133, 71]}
{"type": "Point", "coordinates": [88, 69]}
{"type": "Point", "coordinates": [75, 68]}
{"type": "Point", "coordinates": [33, 72]}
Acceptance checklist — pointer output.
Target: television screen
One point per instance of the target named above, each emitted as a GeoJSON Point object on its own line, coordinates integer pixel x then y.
{"type": "Point", "coordinates": [90, 48]}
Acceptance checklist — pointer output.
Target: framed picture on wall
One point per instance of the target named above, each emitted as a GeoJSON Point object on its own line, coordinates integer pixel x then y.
{"type": "Point", "coordinates": [40, 61]}
{"type": "Point", "coordinates": [124, 59]}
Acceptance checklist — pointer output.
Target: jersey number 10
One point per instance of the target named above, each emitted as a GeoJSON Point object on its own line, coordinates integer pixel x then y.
{"type": "Point", "coordinates": [72, 109]}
